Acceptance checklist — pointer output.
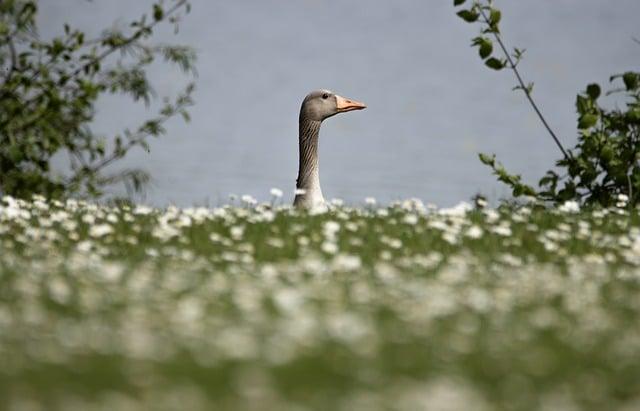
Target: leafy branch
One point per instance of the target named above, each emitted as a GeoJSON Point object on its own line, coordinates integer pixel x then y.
{"type": "Point", "coordinates": [490, 18]}
{"type": "Point", "coordinates": [49, 92]}
{"type": "Point", "coordinates": [604, 166]}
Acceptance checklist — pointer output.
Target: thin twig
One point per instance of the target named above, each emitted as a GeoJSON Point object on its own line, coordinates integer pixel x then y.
{"type": "Point", "coordinates": [14, 60]}
{"type": "Point", "coordinates": [134, 37]}
{"type": "Point", "coordinates": [524, 87]}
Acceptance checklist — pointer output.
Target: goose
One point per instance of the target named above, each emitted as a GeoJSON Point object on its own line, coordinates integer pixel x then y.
{"type": "Point", "coordinates": [317, 106]}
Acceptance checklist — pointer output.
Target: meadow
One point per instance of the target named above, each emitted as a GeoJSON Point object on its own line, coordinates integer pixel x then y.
{"type": "Point", "coordinates": [263, 307]}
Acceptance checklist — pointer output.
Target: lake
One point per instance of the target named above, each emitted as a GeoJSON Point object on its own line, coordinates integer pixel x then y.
{"type": "Point", "coordinates": [432, 106]}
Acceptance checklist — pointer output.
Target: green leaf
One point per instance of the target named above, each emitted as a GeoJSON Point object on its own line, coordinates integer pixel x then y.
{"type": "Point", "coordinates": [587, 121]}
{"type": "Point", "coordinates": [631, 80]}
{"type": "Point", "coordinates": [593, 91]}
{"type": "Point", "coordinates": [494, 63]}
{"type": "Point", "coordinates": [607, 153]}
{"type": "Point", "coordinates": [145, 146]}
{"type": "Point", "coordinates": [468, 15]}
{"type": "Point", "coordinates": [15, 154]}
{"type": "Point", "coordinates": [458, 2]}
{"type": "Point", "coordinates": [550, 178]}
{"type": "Point", "coordinates": [486, 48]}
{"type": "Point", "coordinates": [487, 159]}
{"type": "Point", "coordinates": [530, 88]}
{"type": "Point", "coordinates": [633, 116]}
{"type": "Point", "coordinates": [158, 12]}
{"type": "Point", "coordinates": [494, 17]}
{"type": "Point", "coordinates": [582, 104]}
{"type": "Point", "coordinates": [518, 53]}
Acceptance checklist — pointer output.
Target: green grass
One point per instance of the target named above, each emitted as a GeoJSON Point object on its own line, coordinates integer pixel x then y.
{"type": "Point", "coordinates": [397, 308]}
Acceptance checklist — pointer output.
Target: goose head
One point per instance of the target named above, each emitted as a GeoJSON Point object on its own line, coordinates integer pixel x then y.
{"type": "Point", "coordinates": [322, 104]}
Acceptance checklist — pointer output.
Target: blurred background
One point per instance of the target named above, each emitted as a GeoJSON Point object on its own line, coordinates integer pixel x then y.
{"type": "Point", "coordinates": [432, 105]}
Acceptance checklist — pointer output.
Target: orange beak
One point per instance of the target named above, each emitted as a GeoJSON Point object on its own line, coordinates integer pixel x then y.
{"type": "Point", "coordinates": [344, 104]}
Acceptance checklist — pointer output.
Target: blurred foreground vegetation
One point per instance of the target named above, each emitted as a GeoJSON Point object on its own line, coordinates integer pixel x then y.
{"type": "Point", "coordinates": [268, 308]}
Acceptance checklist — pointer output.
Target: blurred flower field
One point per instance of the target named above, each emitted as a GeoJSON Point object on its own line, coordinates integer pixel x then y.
{"type": "Point", "coordinates": [263, 307]}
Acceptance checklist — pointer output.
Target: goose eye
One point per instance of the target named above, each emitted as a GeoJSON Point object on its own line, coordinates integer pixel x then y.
{"type": "Point", "coordinates": [325, 96]}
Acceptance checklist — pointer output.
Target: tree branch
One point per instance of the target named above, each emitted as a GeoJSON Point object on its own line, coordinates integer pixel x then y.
{"type": "Point", "coordinates": [523, 86]}
{"type": "Point", "coordinates": [106, 53]}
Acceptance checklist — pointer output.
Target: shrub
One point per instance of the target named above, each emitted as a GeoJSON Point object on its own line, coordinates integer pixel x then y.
{"type": "Point", "coordinates": [604, 164]}
{"type": "Point", "coordinates": [48, 96]}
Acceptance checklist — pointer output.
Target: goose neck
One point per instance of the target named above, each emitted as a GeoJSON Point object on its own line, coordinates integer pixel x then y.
{"type": "Point", "coordinates": [308, 171]}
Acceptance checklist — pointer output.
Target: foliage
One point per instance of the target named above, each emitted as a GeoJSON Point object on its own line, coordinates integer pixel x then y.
{"type": "Point", "coordinates": [49, 88]}
{"type": "Point", "coordinates": [604, 164]}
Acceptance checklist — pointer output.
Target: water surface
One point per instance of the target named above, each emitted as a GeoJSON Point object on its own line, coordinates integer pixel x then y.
{"type": "Point", "coordinates": [432, 105]}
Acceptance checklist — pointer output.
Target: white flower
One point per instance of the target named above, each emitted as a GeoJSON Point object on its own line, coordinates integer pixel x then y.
{"type": "Point", "coordinates": [492, 215]}
{"type": "Point", "coordinates": [503, 230]}
{"type": "Point", "coordinates": [236, 232]}
{"type": "Point", "coordinates": [319, 209]}
{"type": "Point", "coordinates": [345, 262]}
{"type": "Point", "coordinates": [370, 201]}
{"type": "Point", "coordinates": [382, 212]}
{"type": "Point", "coordinates": [183, 221]}
{"type": "Point", "coordinates": [69, 225]}
{"type": "Point", "coordinates": [550, 245]}
{"type": "Point", "coordinates": [84, 246]}
{"type": "Point", "coordinates": [100, 230]}
{"type": "Point", "coordinates": [394, 243]}
{"type": "Point", "coordinates": [267, 216]}
{"type": "Point", "coordinates": [288, 299]}
{"type": "Point", "coordinates": [329, 247]}
{"type": "Point", "coordinates": [623, 200]}
{"type": "Point", "coordinates": [88, 219]}
{"type": "Point", "coordinates": [450, 237]}
{"type": "Point", "coordinates": [246, 198]}
{"type": "Point", "coordinates": [474, 232]}
{"type": "Point", "coordinates": [111, 272]}
{"type": "Point", "coordinates": [276, 192]}
{"type": "Point", "coordinates": [59, 216]}
{"type": "Point", "coordinates": [330, 228]}
{"type": "Point", "coordinates": [459, 210]}
{"type": "Point", "coordinates": [142, 210]}
{"type": "Point", "coordinates": [165, 232]}
{"type": "Point", "coordinates": [570, 207]}
{"type": "Point", "coordinates": [59, 290]}
{"type": "Point", "coordinates": [410, 219]}
{"type": "Point", "coordinates": [275, 242]}
{"type": "Point", "coordinates": [351, 226]}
